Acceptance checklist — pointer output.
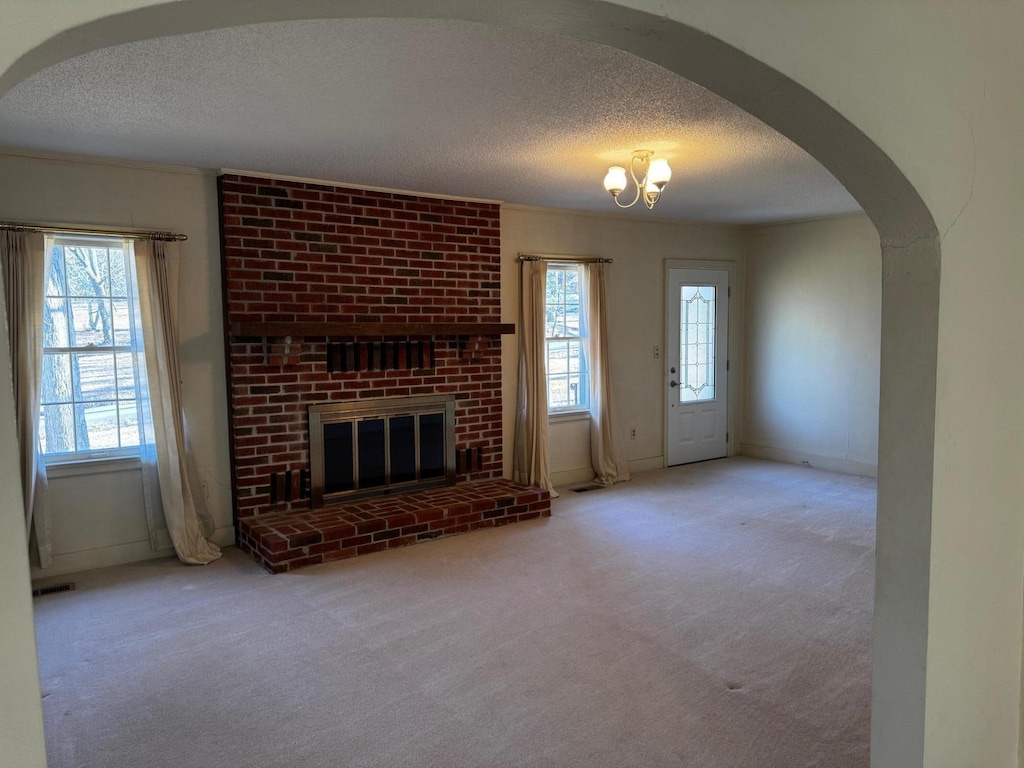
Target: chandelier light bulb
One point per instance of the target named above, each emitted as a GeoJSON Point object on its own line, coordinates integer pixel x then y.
{"type": "Point", "coordinates": [659, 173]}
{"type": "Point", "coordinates": [615, 180]}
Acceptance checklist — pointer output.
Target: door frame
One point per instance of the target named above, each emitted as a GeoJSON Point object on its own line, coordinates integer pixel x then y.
{"type": "Point", "coordinates": [735, 352]}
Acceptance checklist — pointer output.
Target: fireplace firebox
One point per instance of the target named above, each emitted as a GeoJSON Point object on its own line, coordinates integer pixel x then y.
{"type": "Point", "coordinates": [380, 446]}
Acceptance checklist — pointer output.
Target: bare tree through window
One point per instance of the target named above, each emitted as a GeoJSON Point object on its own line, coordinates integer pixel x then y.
{"type": "Point", "coordinates": [89, 382]}
{"type": "Point", "coordinates": [568, 388]}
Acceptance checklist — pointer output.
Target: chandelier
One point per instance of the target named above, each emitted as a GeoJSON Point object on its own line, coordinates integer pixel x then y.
{"type": "Point", "coordinates": [654, 175]}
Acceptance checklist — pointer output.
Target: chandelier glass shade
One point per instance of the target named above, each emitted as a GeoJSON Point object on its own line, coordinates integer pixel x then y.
{"type": "Point", "coordinates": [649, 176]}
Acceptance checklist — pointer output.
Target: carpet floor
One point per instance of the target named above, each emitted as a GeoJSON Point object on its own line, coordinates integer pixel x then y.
{"type": "Point", "coordinates": [715, 616]}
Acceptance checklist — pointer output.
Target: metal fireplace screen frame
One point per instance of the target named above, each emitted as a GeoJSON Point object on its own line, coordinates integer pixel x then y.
{"type": "Point", "coordinates": [382, 409]}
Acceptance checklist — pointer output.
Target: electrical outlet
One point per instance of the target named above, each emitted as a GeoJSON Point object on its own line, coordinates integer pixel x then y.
{"type": "Point", "coordinates": [657, 353]}
{"type": "Point", "coordinates": [204, 486]}
{"type": "Point", "coordinates": [632, 433]}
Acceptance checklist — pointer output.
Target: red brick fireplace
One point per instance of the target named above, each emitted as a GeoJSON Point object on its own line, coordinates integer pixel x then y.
{"type": "Point", "coordinates": [337, 295]}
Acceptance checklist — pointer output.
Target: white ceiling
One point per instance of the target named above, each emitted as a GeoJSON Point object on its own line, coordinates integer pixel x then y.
{"type": "Point", "coordinates": [454, 108]}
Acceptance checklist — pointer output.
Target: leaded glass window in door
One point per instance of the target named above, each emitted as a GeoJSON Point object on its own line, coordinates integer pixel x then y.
{"type": "Point", "coordinates": [697, 343]}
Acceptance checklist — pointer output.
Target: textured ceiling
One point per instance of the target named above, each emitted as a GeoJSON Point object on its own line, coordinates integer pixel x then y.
{"type": "Point", "coordinates": [445, 107]}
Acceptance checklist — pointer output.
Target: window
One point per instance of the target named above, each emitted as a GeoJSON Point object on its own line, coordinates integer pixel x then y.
{"type": "Point", "coordinates": [568, 385]}
{"type": "Point", "coordinates": [697, 343]}
{"type": "Point", "coordinates": [90, 383]}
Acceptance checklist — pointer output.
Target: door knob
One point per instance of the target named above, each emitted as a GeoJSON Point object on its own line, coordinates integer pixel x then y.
{"type": "Point", "coordinates": [673, 383]}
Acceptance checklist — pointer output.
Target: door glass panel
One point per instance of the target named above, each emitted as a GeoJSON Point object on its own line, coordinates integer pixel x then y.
{"type": "Point", "coordinates": [696, 343]}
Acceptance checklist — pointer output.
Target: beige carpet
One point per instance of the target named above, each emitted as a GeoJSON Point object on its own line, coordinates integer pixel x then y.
{"type": "Point", "coordinates": [716, 615]}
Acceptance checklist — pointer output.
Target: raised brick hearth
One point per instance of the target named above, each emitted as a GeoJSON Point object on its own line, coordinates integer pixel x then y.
{"type": "Point", "coordinates": [284, 542]}
{"type": "Point", "coordinates": [335, 294]}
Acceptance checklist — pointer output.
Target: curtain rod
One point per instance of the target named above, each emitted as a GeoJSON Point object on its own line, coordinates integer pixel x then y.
{"type": "Point", "coordinates": [570, 259]}
{"type": "Point", "coordinates": [169, 236]}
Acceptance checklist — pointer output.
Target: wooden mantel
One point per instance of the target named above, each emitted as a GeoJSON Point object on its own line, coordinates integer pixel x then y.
{"type": "Point", "coordinates": [297, 330]}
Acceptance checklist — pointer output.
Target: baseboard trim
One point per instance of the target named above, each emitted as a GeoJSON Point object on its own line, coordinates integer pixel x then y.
{"type": "Point", "coordinates": [118, 554]}
{"type": "Point", "coordinates": [817, 461]}
{"type": "Point", "coordinates": [644, 465]}
{"type": "Point", "coordinates": [567, 477]}
{"type": "Point", "coordinates": [104, 557]}
{"type": "Point", "coordinates": [224, 537]}
{"type": "Point", "coordinates": [572, 477]}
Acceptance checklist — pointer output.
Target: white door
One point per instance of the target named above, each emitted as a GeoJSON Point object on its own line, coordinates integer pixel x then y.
{"type": "Point", "coordinates": [695, 364]}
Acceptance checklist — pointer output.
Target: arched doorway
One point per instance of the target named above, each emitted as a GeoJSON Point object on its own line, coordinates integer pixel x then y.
{"type": "Point", "coordinates": [909, 246]}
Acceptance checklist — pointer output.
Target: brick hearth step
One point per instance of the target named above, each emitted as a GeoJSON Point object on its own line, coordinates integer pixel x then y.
{"type": "Point", "coordinates": [286, 541]}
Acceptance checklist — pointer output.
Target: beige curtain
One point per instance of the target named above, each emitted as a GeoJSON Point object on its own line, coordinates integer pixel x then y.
{"type": "Point", "coordinates": [164, 429]}
{"type": "Point", "coordinates": [530, 457]}
{"type": "Point", "coordinates": [25, 262]}
{"type": "Point", "coordinates": [607, 451]}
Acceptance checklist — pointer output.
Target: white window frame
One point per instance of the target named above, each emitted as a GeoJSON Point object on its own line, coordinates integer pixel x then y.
{"type": "Point", "coordinates": [580, 410]}
{"type": "Point", "coordinates": [107, 456]}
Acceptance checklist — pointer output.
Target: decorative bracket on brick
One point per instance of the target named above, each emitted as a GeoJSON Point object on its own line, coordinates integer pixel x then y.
{"type": "Point", "coordinates": [284, 350]}
{"type": "Point", "coordinates": [472, 347]}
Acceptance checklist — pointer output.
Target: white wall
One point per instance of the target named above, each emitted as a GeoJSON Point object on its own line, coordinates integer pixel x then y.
{"type": "Point", "coordinates": [21, 718]}
{"type": "Point", "coordinates": [640, 246]}
{"type": "Point", "coordinates": [813, 335]}
{"type": "Point", "coordinates": [99, 520]}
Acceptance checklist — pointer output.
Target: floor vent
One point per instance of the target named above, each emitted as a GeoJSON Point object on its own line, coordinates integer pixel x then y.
{"type": "Point", "coordinates": [68, 586]}
{"type": "Point", "coordinates": [585, 488]}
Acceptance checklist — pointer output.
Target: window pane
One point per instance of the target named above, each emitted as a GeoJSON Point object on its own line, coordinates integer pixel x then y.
{"type": "Point", "coordinates": [128, 420]}
{"type": "Point", "coordinates": [572, 320]}
{"type": "Point", "coordinates": [100, 430]}
{"type": "Point", "coordinates": [577, 390]}
{"type": "Point", "coordinates": [557, 315]}
{"type": "Point", "coordinates": [558, 391]}
{"type": "Point", "coordinates": [55, 285]}
{"type": "Point", "coordinates": [91, 323]}
{"type": "Point", "coordinates": [56, 383]}
{"type": "Point", "coordinates": [88, 273]}
{"type": "Point", "coordinates": [125, 375]}
{"type": "Point", "coordinates": [118, 274]}
{"type": "Point", "coordinates": [572, 286]}
{"type": "Point", "coordinates": [57, 429]}
{"type": "Point", "coordinates": [555, 287]}
{"type": "Point", "coordinates": [574, 351]}
{"type": "Point", "coordinates": [56, 324]}
{"type": "Point", "coordinates": [122, 322]}
{"type": "Point", "coordinates": [558, 357]}
{"type": "Point", "coordinates": [94, 376]}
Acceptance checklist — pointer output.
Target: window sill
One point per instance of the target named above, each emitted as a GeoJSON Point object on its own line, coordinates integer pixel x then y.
{"type": "Point", "coordinates": [93, 466]}
{"type": "Point", "coordinates": [559, 417]}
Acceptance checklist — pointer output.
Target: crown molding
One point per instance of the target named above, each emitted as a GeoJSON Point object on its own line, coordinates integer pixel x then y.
{"type": "Point", "coordinates": [65, 157]}
{"type": "Point", "coordinates": [366, 187]}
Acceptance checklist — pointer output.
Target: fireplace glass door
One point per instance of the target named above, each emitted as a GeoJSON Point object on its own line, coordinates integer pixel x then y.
{"type": "Point", "coordinates": [384, 445]}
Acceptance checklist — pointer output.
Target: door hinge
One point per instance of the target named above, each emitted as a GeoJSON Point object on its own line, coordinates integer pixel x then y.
{"type": "Point", "coordinates": [727, 365]}
{"type": "Point", "coordinates": [727, 437]}
{"type": "Point", "coordinates": [728, 291]}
